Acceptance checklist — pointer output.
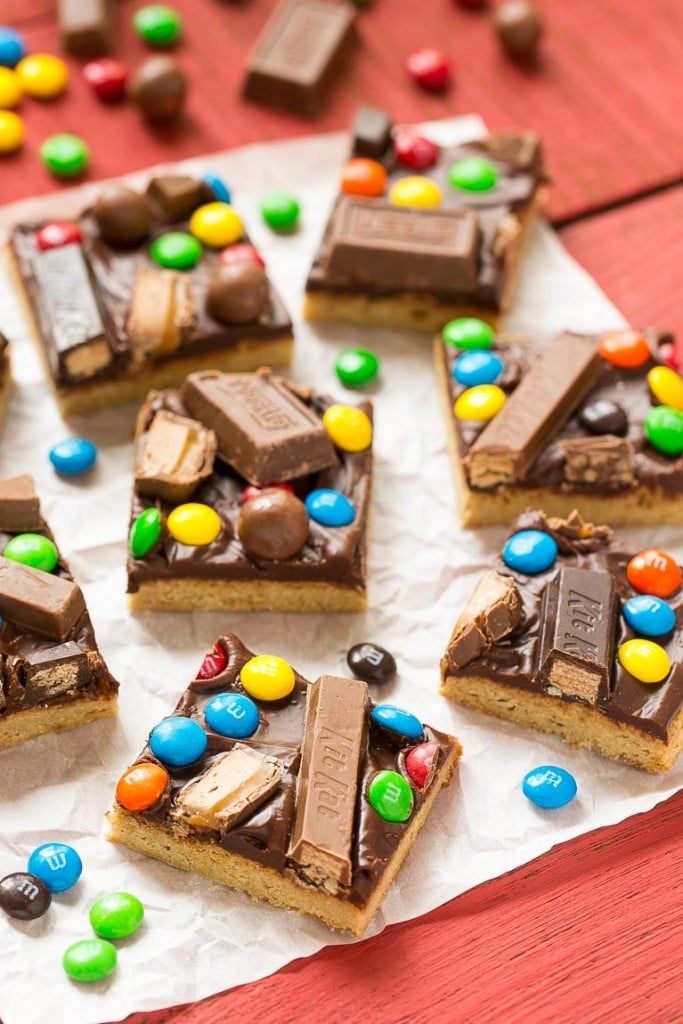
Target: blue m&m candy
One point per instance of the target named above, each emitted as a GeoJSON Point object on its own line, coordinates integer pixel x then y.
{"type": "Point", "coordinates": [12, 47]}
{"type": "Point", "coordinates": [477, 367]}
{"type": "Point", "coordinates": [530, 552]}
{"type": "Point", "coordinates": [57, 865]}
{"type": "Point", "coordinates": [221, 192]}
{"type": "Point", "coordinates": [178, 741]}
{"type": "Point", "coordinates": [232, 714]}
{"type": "Point", "coordinates": [73, 456]}
{"type": "Point", "coordinates": [649, 615]}
{"type": "Point", "coordinates": [549, 786]}
{"type": "Point", "coordinates": [397, 720]}
{"type": "Point", "coordinates": [329, 508]}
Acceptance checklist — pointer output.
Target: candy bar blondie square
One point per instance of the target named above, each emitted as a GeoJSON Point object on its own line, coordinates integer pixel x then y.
{"type": "Point", "coordinates": [420, 234]}
{"type": "Point", "coordinates": [250, 494]}
{"type": "Point", "coordinates": [570, 633]}
{"type": "Point", "coordinates": [592, 421]}
{"type": "Point", "coordinates": [303, 794]}
{"type": "Point", "coordinates": [143, 288]}
{"type": "Point", "coordinates": [52, 675]}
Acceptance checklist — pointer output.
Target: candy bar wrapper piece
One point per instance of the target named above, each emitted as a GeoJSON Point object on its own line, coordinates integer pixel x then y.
{"type": "Point", "coordinates": [371, 133]}
{"type": "Point", "coordinates": [174, 196]}
{"type": "Point", "coordinates": [85, 26]}
{"type": "Point", "coordinates": [536, 410]}
{"type": "Point", "coordinates": [334, 741]}
{"type": "Point", "coordinates": [234, 786]}
{"type": "Point", "coordinates": [49, 673]}
{"type": "Point", "coordinates": [299, 54]}
{"type": "Point", "coordinates": [70, 315]}
{"type": "Point", "coordinates": [492, 613]}
{"type": "Point", "coordinates": [578, 634]}
{"type": "Point", "coordinates": [606, 461]}
{"type": "Point", "coordinates": [19, 505]}
{"type": "Point", "coordinates": [173, 456]}
{"type": "Point", "coordinates": [162, 311]}
{"type": "Point", "coordinates": [38, 602]}
{"type": "Point", "coordinates": [264, 431]}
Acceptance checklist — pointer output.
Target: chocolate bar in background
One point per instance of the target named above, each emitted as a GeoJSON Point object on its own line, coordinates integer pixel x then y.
{"type": "Point", "coordinates": [300, 54]}
{"type": "Point", "coordinates": [19, 505]}
{"type": "Point", "coordinates": [38, 602]}
{"type": "Point", "coordinates": [86, 26]}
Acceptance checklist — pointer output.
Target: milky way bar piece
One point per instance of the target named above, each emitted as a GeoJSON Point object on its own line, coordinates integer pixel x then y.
{"type": "Point", "coordinates": [299, 54]}
{"type": "Point", "coordinates": [405, 248]}
{"type": "Point", "coordinates": [535, 412]}
{"type": "Point", "coordinates": [174, 455]}
{"type": "Point", "coordinates": [232, 788]}
{"type": "Point", "coordinates": [161, 312]}
{"type": "Point", "coordinates": [578, 634]}
{"type": "Point", "coordinates": [174, 196]}
{"type": "Point", "coordinates": [371, 133]}
{"type": "Point", "coordinates": [19, 505]}
{"type": "Point", "coordinates": [70, 314]}
{"type": "Point", "coordinates": [38, 602]}
{"type": "Point", "coordinates": [263, 430]}
{"type": "Point", "coordinates": [54, 672]}
{"type": "Point", "coordinates": [333, 745]}
{"type": "Point", "coordinates": [85, 26]}
{"type": "Point", "coordinates": [492, 613]}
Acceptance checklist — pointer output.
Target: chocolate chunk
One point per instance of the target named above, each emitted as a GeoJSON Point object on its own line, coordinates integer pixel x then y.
{"type": "Point", "coordinates": [38, 602]}
{"type": "Point", "coordinates": [371, 662]}
{"type": "Point", "coordinates": [522, 150]}
{"type": "Point", "coordinates": [78, 342]}
{"type": "Point", "coordinates": [264, 431]}
{"type": "Point", "coordinates": [162, 314]}
{"type": "Point", "coordinates": [53, 672]}
{"type": "Point", "coordinates": [519, 29]}
{"type": "Point", "coordinates": [578, 634]}
{"type": "Point", "coordinates": [535, 412]}
{"type": "Point", "coordinates": [273, 524]}
{"type": "Point", "coordinates": [334, 740]}
{"type": "Point", "coordinates": [173, 456]}
{"type": "Point", "coordinates": [400, 247]}
{"type": "Point", "coordinates": [492, 613]}
{"type": "Point", "coordinates": [299, 55]}
{"type": "Point", "coordinates": [23, 896]}
{"type": "Point", "coordinates": [371, 133]}
{"type": "Point", "coordinates": [604, 417]}
{"type": "Point", "coordinates": [158, 87]}
{"type": "Point", "coordinates": [86, 26]}
{"type": "Point", "coordinates": [122, 215]}
{"type": "Point", "coordinates": [174, 197]}
{"type": "Point", "coordinates": [19, 505]}
{"type": "Point", "coordinates": [237, 293]}
{"type": "Point", "coordinates": [605, 461]}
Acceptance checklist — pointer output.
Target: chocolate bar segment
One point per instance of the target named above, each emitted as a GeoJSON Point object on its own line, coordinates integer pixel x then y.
{"type": "Point", "coordinates": [85, 26]}
{"type": "Point", "coordinates": [334, 743]}
{"type": "Point", "coordinates": [174, 197]}
{"type": "Point", "coordinates": [535, 412]}
{"type": "Point", "coordinates": [263, 430]}
{"type": "Point", "coordinates": [231, 788]}
{"type": "Point", "coordinates": [371, 133]}
{"type": "Point", "coordinates": [299, 55]}
{"type": "Point", "coordinates": [162, 313]}
{"type": "Point", "coordinates": [19, 505]}
{"type": "Point", "coordinates": [174, 455]}
{"type": "Point", "coordinates": [579, 615]}
{"type": "Point", "coordinates": [406, 248]}
{"type": "Point", "coordinates": [491, 614]}
{"type": "Point", "coordinates": [605, 462]}
{"type": "Point", "coordinates": [38, 602]}
{"type": "Point", "coordinates": [54, 672]}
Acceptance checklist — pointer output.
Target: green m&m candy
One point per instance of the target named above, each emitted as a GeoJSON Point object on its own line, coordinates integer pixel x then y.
{"type": "Point", "coordinates": [90, 960]}
{"type": "Point", "coordinates": [176, 250]}
{"type": "Point", "coordinates": [158, 25]}
{"type": "Point", "coordinates": [473, 174]}
{"type": "Point", "coordinates": [116, 915]}
{"type": "Point", "coordinates": [280, 211]}
{"type": "Point", "coordinates": [356, 367]}
{"type": "Point", "coordinates": [145, 532]}
{"type": "Point", "coordinates": [64, 155]}
{"type": "Point", "coordinates": [663, 428]}
{"type": "Point", "coordinates": [32, 549]}
{"type": "Point", "coordinates": [391, 796]}
{"type": "Point", "coordinates": [467, 332]}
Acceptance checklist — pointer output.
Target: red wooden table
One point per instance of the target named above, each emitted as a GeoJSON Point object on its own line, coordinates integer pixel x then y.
{"type": "Point", "coordinates": [591, 931]}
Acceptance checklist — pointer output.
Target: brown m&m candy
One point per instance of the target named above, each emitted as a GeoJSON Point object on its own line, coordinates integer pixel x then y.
{"type": "Point", "coordinates": [159, 87]}
{"type": "Point", "coordinates": [273, 524]}
{"type": "Point", "coordinates": [237, 292]}
{"type": "Point", "coordinates": [604, 417]}
{"type": "Point", "coordinates": [23, 896]}
{"type": "Point", "coordinates": [519, 29]}
{"type": "Point", "coordinates": [122, 215]}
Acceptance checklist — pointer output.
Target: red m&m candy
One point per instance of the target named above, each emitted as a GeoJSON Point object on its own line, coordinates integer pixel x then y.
{"type": "Point", "coordinates": [107, 78]}
{"type": "Point", "coordinates": [213, 664]}
{"type": "Point", "coordinates": [430, 68]}
{"type": "Point", "coordinates": [242, 252]}
{"type": "Point", "coordinates": [419, 763]}
{"type": "Point", "coordinates": [654, 572]}
{"type": "Point", "coordinates": [56, 233]}
{"type": "Point", "coordinates": [141, 786]}
{"type": "Point", "coordinates": [626, 349]}
{"type": "Point", "coordinates": [415, 151]}
{"type": "Point", "coordinates": [363, 177]}
{"type": "Point", "coordinates": [250, 491]}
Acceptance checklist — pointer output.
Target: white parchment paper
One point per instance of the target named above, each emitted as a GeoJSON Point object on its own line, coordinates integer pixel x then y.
{"type": "Point", "coordinates": [199, 938]}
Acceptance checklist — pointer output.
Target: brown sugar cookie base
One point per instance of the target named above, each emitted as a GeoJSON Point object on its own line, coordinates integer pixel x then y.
{"type": "Point", "coordinates": [39, 721]}
{"type": "Point", "coordinates": [246, 596]}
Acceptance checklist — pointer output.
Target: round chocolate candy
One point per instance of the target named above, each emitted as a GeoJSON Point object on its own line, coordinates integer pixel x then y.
{"type": "Point", "coordinates": [65, 155]}
{"type": "Point", "coordinates": [176, 250]}
{"type": "Point", "coordinates": [397, 720]}
{"type": "Point", "coordinates": [549, 787]}
{"type": "Point", "coordinates": [390, 796]}
{"type": "Point", "coordinates": [530, 552]}
{"type": "Point", "coordinates": [158, 87]}
{"type": "Point", "coordinates": [73, 456]}
{"type": "Point", "coordinates": [273, 524]}
{"type": "Point", "coordinates": [145, 532]}
{"type": "Point", "coordinates": [178, 741]}
{"type": "Point", "coordinates": [371, 662]}
{"type": "Point", "coordinates": [116, 915]}
{"type": "Point", "coordinates": [12, 47]}
{"type": "Point", "coordinates": [356, 367]}
{"type": "Point", "coordinates": [237, 293]}
{"type": "Point", "coordinates": [604, 417]}
{"type": "Point", "coordinates": [57, 865]}
{"type": "Point", "coordinates": [90, 960]}
{"type": "Point", "coordinates": [107, 78]}
{"type": "Point", "coordinates": [233, 715]}
{"type": "Point", "coordinates": [329, 507]}
{"type": "Point", "coordinates": [32, 549]}
{"type": "Point", "coordinates": [158, 25]}
{"type": "Point", "coordinates": [519, 29]}
{"type": "Point", "coordinates": [122, 215]}
{"type": "Point", "coordinates": [24, 896]}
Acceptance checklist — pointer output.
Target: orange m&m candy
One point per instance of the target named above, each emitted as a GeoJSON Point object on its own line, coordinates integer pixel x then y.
{"type": "Point", "coordinates": [626, 349]}
{"type": "Point", "coordinates": [654, 572]}
{"type": "Point", "coordinates": [141, 786]}
{"type": "Point", "coordinates": [362, 177]}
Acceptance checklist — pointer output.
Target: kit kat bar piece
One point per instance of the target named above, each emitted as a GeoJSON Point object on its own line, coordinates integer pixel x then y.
{"type": "Point", "coordinates": [53, 672]}
{"type": "Point", "coordinates": [334, 741]}
{"type": "Point", "coordinates": [492, 613]}
{"type": "Point", "coordinates": [535, 412]}
{"type": "Point", "coordinates": [579, 615]}
{"type": "Point", "coordinates": [299, 55]}
{"type": "Point", "coordinates": [263, 430]}
{"type": "Point", "coordinates": [86, 26]}
{"type": "Point", "coordinates": [405, 248]}
{"type": "Point", "coordinates": [19, 505]}
{"type": "Point", "coordinates": [173, 456]}
{"type": "Point", "coordinates": [38, 602]}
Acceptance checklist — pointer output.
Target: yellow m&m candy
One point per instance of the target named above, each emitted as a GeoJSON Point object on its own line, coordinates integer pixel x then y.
{"type": "Point", "coordinates": [10, 89]}
{"type": "Point", "coordinates": [415, 190]}
{"type": "Point", "coordinates": [11, 132]}
{"type": "Point", "coordinates": [349, 428]}
{"type": "Point", "coordinates": [194, 524]}
{"type": "Point", "coordinates": [667, 386]}
{"type": "Point", "coordinates": [267, 677]}
{"type": "Point", "coordinates": [645, 660]}
{"type": "Point", "coordinates": [42, 76]}
{"type": "Point", "coordinates": [216, 225]}
{"type": "Point", "coordinates": [482, 402]}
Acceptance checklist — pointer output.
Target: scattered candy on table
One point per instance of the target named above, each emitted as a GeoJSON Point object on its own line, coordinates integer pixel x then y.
{"type": "Point", "coordinates": [65, 155]}
{"type": "Point", "coordinates": [519, 29]}
{"type": "Point", "coordinates": [473, 174]}
{"type": "Point", "coordinates": [242, 252]}
{"type": "Point", "coordinates": [176, 250]}
{"type": "Point", "coordinates": [653, 571]}
{"type": "Point", "coordinates": [649, 615]}
{"type": "Point", "coordinates": [233, 715]}
{"type": "Point", "coordinates": [280, 210]}
{"type": "Point", "coordinates": [24, 896]}
{"type": "Point", "coordinates": [267, 677]}
{"type": "Point", "coordinates": [667, 386]}
{"type": "Point", "coordinates": [56, 233]}
{"type": "Point", "coordinates": [356, 367]}
{"type": "Point", "coordinates": [11, 132]}
{"type": "Point", "coordinates": [627, 349]}
{"type": "Point", "coordinates": [57, 865]}
{"type": "Point", "coordinates": [329, 507]}
{"type": "Point", "coordinates": [43, 76]}
{"type": "Point", "coordinates": [420, 761]}
{"type": "Point", "coordinates": [397, 720]}
{"type": "Point", "coordinates": [194, 524]}
{"type": "Point", "coordinates": [390, 796]}
{"type": "Point", "coordinates": [116, 915]}
{"type": "Point", "coordinates": [549, 787]}
{"type": "Point", "coordinates": [90, 960]}
{"type": "Point", "coordinates": [603, 416]}
{"type": "Point", "coordinates": [480, 403]}
{"type": "Point", "coordinates": [158, 25]}
{"type": "Point", "coordinates": [178, 741]}
{"type": "Point", "coordinates": [349, 428]}
{"type": "Point", "coordinates": [158, 87]}
{"type": "Point", "coordinates": [145, 532]}
{"type": "Point", "coordinates": [221, 192]}
{"type": "Point", "coordinates": [645, 660]}
{"type": "Point", "coordinates": [363, 177]}
{"type": "Point", "coordinates": [477, 367]}
{"type": "Point", "coordinates": [415, 151]}
{"type": "Point", "coordinates": [12, 47]}
{"type": "Point", "coordinates": [141, 786]}
{"type": "Point", "coordinates": [32, 549]}
{"type": "Point", "coordinates": [663, 428]}
{"type": "Point", "coordinates": [415, 190]}
{"type": "Point", "coordinates": [10, 89]}
{"type": "Point", "coordinates": [468, 332]}
{"type": "Point", "coordinates": [371, 663]}
{"type": "Point", "coordinates": [107, 78]}
{"type": "Point", "coordinates": [216, 225]}
{"type": "Point", "coordinates": [430, 68]}
{"type": "Point", "coordinates": [530, 552]}
{"type": "Point", "coordinates": [73, 456]}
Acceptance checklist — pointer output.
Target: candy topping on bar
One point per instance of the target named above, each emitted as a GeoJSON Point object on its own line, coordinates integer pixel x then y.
{"type": "Point", "coordinates": [363, 177]}
{"type": "Point", "coordinates": [349, 428]}
{"type": "Point", "coordinates": [230, 789]}
{"type": "Point", "coordinates": [19, 505]}
{"type": "Point", "coordinates": [37, 601]}
{"type": "Point", "coordinates": [232, 714]}
{"type": "Point", "coordinates": [390, 796]}
{"type": "Point", "coordinates": [667, 386]}
{"type": "Point", "coordinates": [329, 507]}
{"type": "Point", "coordinates": [141, 786]}
{"type": "Point", "coordinates": [653, 571]}
{"type": "Point", "coordinates": [267, 677]}
{"type": "Point", "coordinates": [663, 428]}
{"type": "Point", "coordinates": [473, 174]}
{"type": "Point", "coordinates": [645, 660]}
{"type": "Point", "coordinates": [477, 367]}
{"type": "Point", "coordinates": [649, 615]}
{"type": "Point", "coordinates": [627, 349]}
{"type": "Point", "coordinates": [194, 524]}
{"type": "Point", "coordinates": [397, 720]}
{"type": "Point", "coordinates": [145, 532]}
{"type": "Point", "coordinates": [178, 741]}
{"type": "Point", "coordinates": [530, 551]}
{"type": "Point", "coordinates": [415, 190]}
{"type": "Point", "coordinates": [173, 456]}
{"type": "Point", "coordinates": [273, 524]}
{"type": "Point", "coordinates": [481, 402]}
{"type": "Point", "coordinates": [467, 332]}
